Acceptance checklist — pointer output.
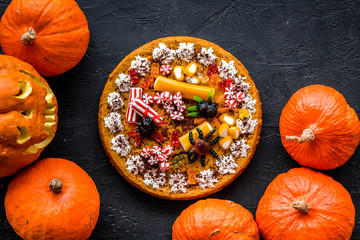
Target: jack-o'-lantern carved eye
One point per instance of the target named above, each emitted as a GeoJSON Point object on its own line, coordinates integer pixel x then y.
{"type": "Point", "coordinates": [24, 135]}
{"type": "Point", "coordinates": [28, 113]}
{"type": "Point", "coordinates": [25, 90]}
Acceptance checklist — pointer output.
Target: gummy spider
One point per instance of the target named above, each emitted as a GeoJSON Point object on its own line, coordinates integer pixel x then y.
{"type": "Point", "coordinates": [147, 128]}
{"type": "Point", "coordinates": [201, 146]}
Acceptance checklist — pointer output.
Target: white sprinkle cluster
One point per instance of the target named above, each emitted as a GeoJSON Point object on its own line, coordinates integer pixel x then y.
{"type": "Point", "coordinates": [155, 178]}
{"type": "Point", "coordinates": [227, 69]}
{"type": "Point", "coordinates": [226, 164]}
{"type": "Point", "coordinates": [141, 65]}
{"type": "Point", "coordinates": [240, 85]}
{"type": "Point", "coordinates": [239, 148]}
{"type": "Point", "coordinates": [206, 56]}
{"type": "Point", "coordinates": [115, 101]}
{"type": "Point", "coordinates": [135, 164]}
{"type": "Point", "coordinates": [123, 82]}
{"type": "Point", "coordinates": [248, 103]}
{"type": "Point", "coordinates": [113, 122]}
{"type": "Point", "coordinates": [121, 145]}
{"type": "Point", "coordinates": [246, 125]}
{"type": "Point", "coordinates": [178, 182]}
{"type": "Point", "coordinates": [206, 179]}
{"type": "Point", "coordinates": [186, 51]}
{"type": "Point", "coordinates": [163, 54]}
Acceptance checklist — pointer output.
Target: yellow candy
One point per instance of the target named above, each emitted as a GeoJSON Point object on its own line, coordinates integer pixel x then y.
{"type": "Point", "coordinates": [192, 80]}
{"type": "Point", "coordinates": [225, 142]}
{"type": "Point", "coordinates": [234, 132]}
{"type": "Point", "coordinates": [241, 113]}
{"type": "Point", "coordinates": [226, 118]}
{"type": "Point", "coordinates": [224, 130]}
{"type": "Point", "coordinates": [205, 127]}
{"type": "Point", "coordinates": [178, 73]}
{"type": "Point", "coordinates": [190, 69]}
{"type": "Point", "coordinates": [188, 90]}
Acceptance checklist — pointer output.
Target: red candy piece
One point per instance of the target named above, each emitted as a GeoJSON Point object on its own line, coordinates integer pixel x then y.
{"type": "Point", "coordinates": [176, 115]}
{"type": "Point", "coordinates": [167, 150]}
{"type": "Point", "coordinates": [212, 69]}
{"type": "Point", "coordinates": [155, 70]}
{"type": "Point", "coordinates": [162, 157]}
{"type": "Point", "coordinates": [147, 82]}
{"type": "Point", "coordinates": [166, 96]}
{"type": "Point", "coordinates": [175, 138]}
{"type": "Point", "coordinates": [166, 69]}
{"type": "Point", "coordinates": [232, 104]}
{"type": "Point", "coordinates": [153, 160]}
{"type": "Point", "coordinates": [177, 98]}
{"type": "Point", "coordinates": [213, 80]}
{"type": "Point", "coordinates": [164, 166]}
{"type": "Point", "coordinates": [239, 96]}
{"type": "Point", "coordinates": [157, 98]}
{"type": "Point", "coordinates": [147, 98]}
{"type": "Point", "coordinates": [169, 107]}
{"type": "Point", "coordinates": [134, 76]}
{"type": "Point", "coordinates": [229, 92]}
{"type": "Point", "coordinates": [145, 152]}
{"type": "Point", "coordinates": [225, 83]}
{"type": "Point", "coordinates": [155, 150]}
{"type": "Point", "coordinates": [181, 107]}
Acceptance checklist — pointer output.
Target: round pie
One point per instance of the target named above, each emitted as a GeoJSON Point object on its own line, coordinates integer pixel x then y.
{"type": "Point", "coordinates": [180, 118]}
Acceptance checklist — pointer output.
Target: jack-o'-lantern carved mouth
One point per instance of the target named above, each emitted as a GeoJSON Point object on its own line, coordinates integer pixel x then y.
{"type": "Point", "coordinates": [50, 114]}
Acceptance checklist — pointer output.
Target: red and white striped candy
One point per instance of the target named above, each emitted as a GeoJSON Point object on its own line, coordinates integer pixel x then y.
{"type": "Point", "coordinates": [155, 150]}
{"type": "Point", "coordinates": [177, 98]}
{"type": "Point", "coordinates": [169, 107]}
{"type": "Point", "coordinates": [167, 150]}
{"type": "Point", "coordinates": [147, 98]}
{"type": "Point", "coordinates": [181, 107]}
{"type": "Point", "coordinates": [164, 166]}
{"type": "Point", "coordinates": [131, 116]}
{"type": "Point", "coordinates": [166, 69]}
{"type": "Point", "coordinates": [229, 92]}
{"type": "Point", "coordinates": [157, 98]}
{"type": "Point", "coordinates": [153, 160]}
{"type": "Point", "coordinates": [239, 96]}
{"type": "Point", "coordinates": [166, 96]}
{"type": "Point", "coordinates": [162, 157]}
{"type": "Point", "coordinates": [176, 115]}
{"type": "Point", "coordinates": [145, 152]}
{"type": "Point", "coordinates": [145, 110]}
{"type": "Point", "coordinates": [232, 104]}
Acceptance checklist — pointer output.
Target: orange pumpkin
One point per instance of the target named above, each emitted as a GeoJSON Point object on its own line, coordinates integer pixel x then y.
{"type": "Point", "coordinates": [318, 128]}
{"type": "Point", "coordinates": [28, 115]}
{"type": "Point", "coordinates": [304, 204]}
{"type": "Point", "coordinates": [215, 219]}
{"type": "Point", "coordinates": [50, 35]}
{"type": "Point", "coordinates": [52, 199]}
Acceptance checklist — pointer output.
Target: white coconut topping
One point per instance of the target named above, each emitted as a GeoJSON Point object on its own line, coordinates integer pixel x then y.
{"type": "Point", "coordinates": [248, 103]}
{"type": "Point", "coordinates": [141, 65]}
{"type": "Point", "coordinates": [155, 178]}
{"type": "Point", "coordinates": [246, 125]}
{"type": "Point", "coordinates": [113, 122]}
{"type": "Point", "coordinates": [239, 148]}
{"type": "Point", "coordinates": [115, 101]}
{"type": "Point", "coordinates": [227, 69]}
{"type": "Point", "coordinates": [163, 54]}
{"type": "Point", "coordinates": [178, 182]}
{"type": "Point", "coordinates": [135, 164]}
{"type": "Point", "coordinates": [226, 164]}
{"type": "Point", "coordinates": [186, 51]}
{"type": "Point", "coordinates": [123, 82]}
{"type": "Point", "coordinates": [121, 145]}
{"type": "Point", "coordinates": [206, 179]}
{"type": "Point", "coordinates": [206, 56]}
{"type": "Point", "coordinates": [240, 85]}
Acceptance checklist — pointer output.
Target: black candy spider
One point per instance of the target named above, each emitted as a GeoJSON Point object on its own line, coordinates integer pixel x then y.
{"type": "Point", "coordinates": [201, 146]}
{"type": "Point", "coordinates": [147, 128]}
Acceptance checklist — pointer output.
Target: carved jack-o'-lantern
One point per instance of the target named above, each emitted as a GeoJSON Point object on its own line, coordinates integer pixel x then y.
{"type": "Point", "coordinates": [28, 115]}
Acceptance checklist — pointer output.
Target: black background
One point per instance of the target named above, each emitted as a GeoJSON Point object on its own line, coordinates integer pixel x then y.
{"type": "Point", "coordinates": [285, 45]}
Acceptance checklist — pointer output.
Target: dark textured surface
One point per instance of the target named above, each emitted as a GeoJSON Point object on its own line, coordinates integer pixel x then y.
{"type": "Point", "coordinates": [285, 45]}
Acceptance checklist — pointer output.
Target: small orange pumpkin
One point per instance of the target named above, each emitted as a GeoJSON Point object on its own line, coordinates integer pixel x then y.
{"type": "Point", "coordinates": [215, 219]}
{"type": "Point", "coordinates": [28, 115]}
{"type": "Point", "coordinates": [52, 199]}
{"type": "Point", "coordinates": [305, 204]}
{"type": "Point", "coordinates": [50, 35]}
{"type": "Point", "coordinates": [318, 128]}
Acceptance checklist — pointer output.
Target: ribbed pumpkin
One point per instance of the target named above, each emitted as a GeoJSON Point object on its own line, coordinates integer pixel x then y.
{"type": "Point", "coordinates": [318, 128]}
{"type": "Point", "coordinates": [51, 35]}
{"type": "Point", "coordinates": [28, 115]}
{"type": "Point", "coordinates": [215, 219]}
{"type": "Point", "coordinates": [305, 204]}
{"type": "Point", "coordinates": [52, 199]}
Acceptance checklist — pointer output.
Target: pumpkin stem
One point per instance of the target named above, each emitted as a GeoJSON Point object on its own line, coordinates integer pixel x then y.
{"type": "Point", "coordinates": [301, 206]}
{"type": "Point", "coordinates": [28, 38]}
{"type": "Point", "coordinates": [56, 185]}
{"type": "Point", "coordinates": [306, 136]}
